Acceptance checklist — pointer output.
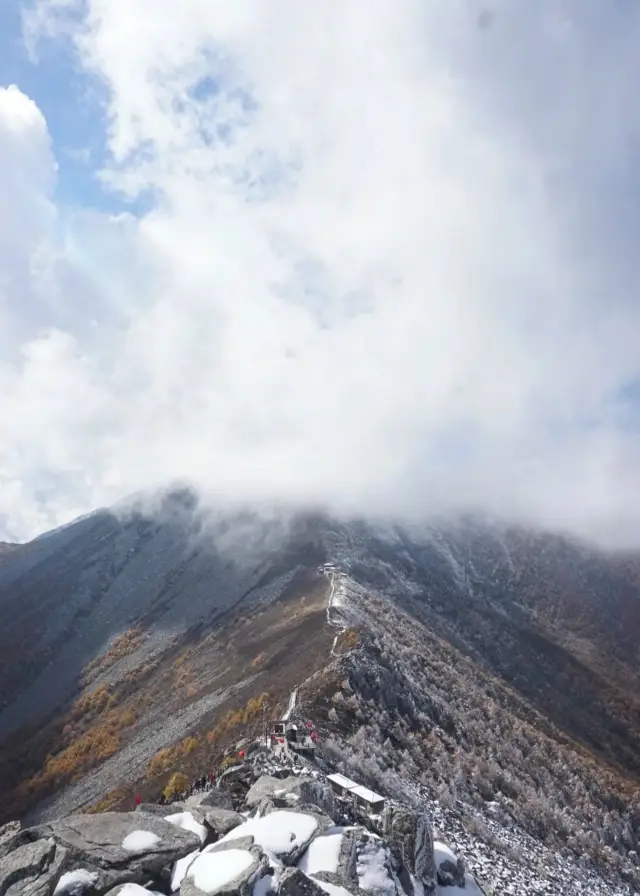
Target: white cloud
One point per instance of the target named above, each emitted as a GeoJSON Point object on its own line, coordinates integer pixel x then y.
{"type": "Point", "coordinates": [389, 264]}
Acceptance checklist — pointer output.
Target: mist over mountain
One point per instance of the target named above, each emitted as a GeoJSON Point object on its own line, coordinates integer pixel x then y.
{"type": "Point", "coordinates": [127, 636]}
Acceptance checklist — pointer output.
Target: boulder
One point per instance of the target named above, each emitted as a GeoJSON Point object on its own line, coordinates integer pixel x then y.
{"type": "Point", "coordinates": [32, 869]}
{"type": "Point", "coordinates": [451, 874]}
{"type": "Point", "coordinates": [119, 846]}
{"type": "Point", "coordinates": [220, 798]}
{"type": "Point", "coordinates": [79, 882]}
{"type": "Point", "coordinates": [292, 789]}
{"type": "Point", "coordinates": [450, 869]}
{"type": "Point", "coordinates": [283, 833]}
{"type": "Point", "coordinates": [162, 811]}
{"type": "Point", "coordinates": [296, 883]}
{"type": "Point", "coordinates": [333, 853]}
{"type": "Point", "coordinates": [225, 872]}
{"type": "Point", "coordinates": [187, 822]}
{"type": "Point", "coordinates": [11, 837]}
{"type": "Point", "coordinates": [219, 821]}
{"type": "Point", "coordinates": [410, 837]}
{"type": "Point", "coordinates": [244, 842]}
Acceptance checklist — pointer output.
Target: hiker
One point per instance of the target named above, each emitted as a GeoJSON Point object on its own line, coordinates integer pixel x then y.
{"type": "Point", "coordinates": [138, 799]}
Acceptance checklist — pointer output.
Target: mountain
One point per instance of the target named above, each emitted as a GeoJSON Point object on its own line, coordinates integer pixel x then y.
{"type": "Point", "coordinates": [491, 672]}
{"type": "Point", "coordinates": [7, 548]}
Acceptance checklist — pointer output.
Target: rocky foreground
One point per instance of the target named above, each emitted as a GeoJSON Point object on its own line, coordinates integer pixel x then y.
{"type": "Point", "coordinates": [291, 836]}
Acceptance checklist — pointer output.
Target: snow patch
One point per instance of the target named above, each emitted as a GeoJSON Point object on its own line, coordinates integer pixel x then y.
{"type": "Point", "coordinates": [323, 854]}
{"type": "Point", "coordinates": [332, 889]}
{"type": "Point", "coordinates": [187, 822]}
{"type": "Point", "coordinates": [263, 886]}
{"type": "Point", "coordinates": [138, 841]}
{"type": "Point", "coordinates": [443, 853]}
{"type": "Point", "coordinates": [133, 890]}
{"type": "Point", "coordinates": [372, 873]}
{"type": "Point", "coordinates": [75, 881]}
{"type": "Point", "coordinates": [278, 833]}
{"type": "Point", "coordinates": [213, 870]}
{"type": "Point", "coordinates": [180, 869]}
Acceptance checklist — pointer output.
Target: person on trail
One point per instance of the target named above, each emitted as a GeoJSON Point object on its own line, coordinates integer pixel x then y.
{"type": "Point", "coordinates": [138, 799]}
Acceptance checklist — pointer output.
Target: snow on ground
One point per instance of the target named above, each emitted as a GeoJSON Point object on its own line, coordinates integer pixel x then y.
{"type": "Point", "coordinates": [292, 704]}
{"type": "Point", "coordinates": [264, 886]}
{"type": "Point", "coordinates": [278, 833]}
{"type": "Point", "coordinates": [138, 841]}
{"type": "Point", "coordinates": [180, 868]}
{"type": "Point", "coordinates": [187, 822]}
{"type": "Point", "coordinates": [470, 888]}
{"type": "Point", "coordinates": [213, 870]}
{"type": "Point", "coordinates": [133, 890]}
{"type": "Point", "coordinates": [323, 854]}
{"type": "Point", "coordinates": [332, 889]}
{"type": "Point", "coordinates": [372, 873]}
{"type": "Point", "coordinates": [443, 853]}
{"type": "Point", "coordinates": [75, 881]}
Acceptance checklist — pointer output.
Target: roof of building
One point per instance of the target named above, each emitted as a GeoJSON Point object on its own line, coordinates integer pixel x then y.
{"type": "Point", "coordinates": [341, 781]}
{"type": "Point", "coordinates": [365, 794]}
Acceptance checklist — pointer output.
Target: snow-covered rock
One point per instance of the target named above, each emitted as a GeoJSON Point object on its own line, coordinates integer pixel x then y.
{"type": "Point", "coordinates": [187, 822]}
{"type": "Point", "coordinates": [283, 834]}
{"type": "Point", "coordinates": [218, 821]}
{"type": "Point", "coordinates": [231, 871]}
{"type": "Point", "coordinates": [120, 847]}
{"type": "Point", "coordinates": [75, 883]}
{"type": "Point", "coordinates": [450, 869]}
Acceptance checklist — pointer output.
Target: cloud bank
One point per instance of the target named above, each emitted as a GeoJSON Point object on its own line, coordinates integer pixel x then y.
{"type": "Point", "coordinates": [388, 265]}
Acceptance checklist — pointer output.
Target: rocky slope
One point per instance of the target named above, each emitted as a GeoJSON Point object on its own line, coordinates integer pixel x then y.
{"type": "Point", "coordinates": [279, 838]}
{"type": "Point", "coordinates": [486, 672]}
{"type": "Point", "coordinates": [261, 834]}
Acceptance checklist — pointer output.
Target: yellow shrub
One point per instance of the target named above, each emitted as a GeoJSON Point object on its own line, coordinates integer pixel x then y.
{"type": "Point", "coordinates": [178, 783]}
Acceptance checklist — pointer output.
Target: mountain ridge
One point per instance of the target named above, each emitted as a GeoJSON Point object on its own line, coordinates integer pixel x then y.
{"type": "Point", "coordinates": [141, 643]}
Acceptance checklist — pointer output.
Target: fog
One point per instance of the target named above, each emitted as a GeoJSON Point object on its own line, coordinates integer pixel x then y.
{"type": "Point", "coordinates": [381, 260]}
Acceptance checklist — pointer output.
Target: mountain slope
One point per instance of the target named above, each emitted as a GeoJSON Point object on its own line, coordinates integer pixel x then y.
{"type": "Point", "coordinates": [469, 662]}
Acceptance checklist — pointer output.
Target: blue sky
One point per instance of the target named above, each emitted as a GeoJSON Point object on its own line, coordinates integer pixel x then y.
{"type": "Point", "coordinates": [74, 106]}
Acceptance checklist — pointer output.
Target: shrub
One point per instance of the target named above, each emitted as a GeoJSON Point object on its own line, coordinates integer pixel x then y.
{"type": "Point", "coordinates": [178, 783]}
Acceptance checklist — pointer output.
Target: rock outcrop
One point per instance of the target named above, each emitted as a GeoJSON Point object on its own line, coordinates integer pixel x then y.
{"type": "Point", "coordinates": [118, 846]}
{"type": "Point", "coordinates": [32, 869]}
{"type": "Point", "coordinates": [410, 839]}
{"type": "Point", "coordinates": [285, 843]}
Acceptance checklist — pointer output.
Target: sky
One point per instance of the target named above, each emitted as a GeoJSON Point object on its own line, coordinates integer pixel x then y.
{"type": "Point", "coordinates": [379, 257]}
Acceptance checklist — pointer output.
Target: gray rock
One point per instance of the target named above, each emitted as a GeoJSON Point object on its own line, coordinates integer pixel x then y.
{"type": "Point", "coordinates": [294, 882]}
{"type": "Point", "coordinates": [218, 820]}
{"type": "Point", "coordinates": [11, 837]}
{"type": "Point", "coordinates": [211, 865]}
{"type": "Point", "coordinates": [220, 798]}
{"type": "Point", "coordinates": [451, 874]}
{"type": "Point", "coordinates": [95, 842]}
{"type": "Point", "coordinates": [239, 843]}
{"type": "Point", "coordinates": [162, 811]}
{"type": "Point", "coordinates": [288, 851]}
{"type": "Point", "coordinates": [347, 869]}
{"type": "Point", "coordinates": [410, 838]}
{"type": "Point", "coordinates": [78, 882]}
{"type": "Point", "coordinates": [283, 791]}
{"type": "Point", "coordinates": [33, 869]}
